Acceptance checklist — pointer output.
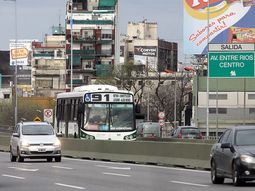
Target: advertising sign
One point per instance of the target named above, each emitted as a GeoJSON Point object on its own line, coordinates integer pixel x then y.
{"type": "Point", "coordinates": [216, 21]}
{"type": "Point", "coordinates": [20, 52]}
{"type": "Point", "coordinates": [146, 55]}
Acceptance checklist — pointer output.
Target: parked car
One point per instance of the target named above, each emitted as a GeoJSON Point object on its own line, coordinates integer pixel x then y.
{"type": "Point", "coordinates": [148, 129]}
{"type": "Point", "coordinates": [34, 140]}
{"type": "Point", "coordinates": [233, 156]}
{"type": "Point", "coordinates": [186, 132]}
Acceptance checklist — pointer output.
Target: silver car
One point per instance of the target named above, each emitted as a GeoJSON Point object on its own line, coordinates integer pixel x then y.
{"type": "Point", "coordinates": [34, 140]}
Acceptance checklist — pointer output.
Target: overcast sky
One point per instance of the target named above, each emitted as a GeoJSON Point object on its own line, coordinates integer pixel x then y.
{"type": "Point", "coordinates": [35, 18]}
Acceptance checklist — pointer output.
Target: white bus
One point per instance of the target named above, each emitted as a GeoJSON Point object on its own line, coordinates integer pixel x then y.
{"type": "Point", "coordinates": [100, 112]}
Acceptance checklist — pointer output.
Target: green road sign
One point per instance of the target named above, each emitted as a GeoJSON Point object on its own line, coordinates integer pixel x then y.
{"type": "Point", "coordinates": [231, 64]}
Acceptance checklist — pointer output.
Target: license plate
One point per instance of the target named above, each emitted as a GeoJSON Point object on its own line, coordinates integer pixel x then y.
{"type": "Point", "coordinates": [41, 150]}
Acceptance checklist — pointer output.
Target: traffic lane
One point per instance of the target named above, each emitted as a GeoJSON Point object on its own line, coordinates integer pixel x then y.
{"type": "Point", "coordinates": [97, 175]}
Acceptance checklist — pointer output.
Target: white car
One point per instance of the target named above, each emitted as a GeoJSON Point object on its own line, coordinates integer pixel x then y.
{"type": "Point", "coordinates": [34, 140]}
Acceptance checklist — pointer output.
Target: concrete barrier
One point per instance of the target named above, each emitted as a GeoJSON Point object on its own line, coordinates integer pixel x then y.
{"type": "Point", "coordinates": [186, 154]}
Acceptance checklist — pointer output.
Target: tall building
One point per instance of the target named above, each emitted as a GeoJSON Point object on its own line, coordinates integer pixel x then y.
{"type": "Point", "coordinates": [49, 64]}
{"type": "Point", "coordinates": [142, 45]}
{"type": "Point", "coordinates": [90, 38]}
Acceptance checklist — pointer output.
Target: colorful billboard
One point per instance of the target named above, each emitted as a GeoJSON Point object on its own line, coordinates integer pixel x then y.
{"type": "Point", "coordinates": [213, 21]}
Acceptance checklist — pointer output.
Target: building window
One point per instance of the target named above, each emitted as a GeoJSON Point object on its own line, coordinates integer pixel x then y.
{"type": "Point", "coordinates": [220, 110]}
{"type": "Point", "coordinates": [251, 96]}
{"type": "Point", "coordinates": [251, 110]}
{"type": "Point", "coordinates": [220, 96]}
{"type": "Point", "coordinates": [6, 96]}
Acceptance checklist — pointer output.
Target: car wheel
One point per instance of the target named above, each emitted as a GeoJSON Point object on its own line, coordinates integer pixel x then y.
{"type": "Point", "coordinates": [58, 159]}
{"type": "Point", "coordinates": [236, 177]}
{"type": "Point", "coordinates": [214, 177]}
{"type": "Point", "coordinates": [12, 157]}
{"type": "Point", "coordinates": [49, 159]}
{"type": "Point", "coordinates": [19, 158]}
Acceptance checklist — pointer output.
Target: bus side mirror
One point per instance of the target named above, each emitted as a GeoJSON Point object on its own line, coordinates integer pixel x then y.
{"type": "Point", "coordinates": [80, 108]}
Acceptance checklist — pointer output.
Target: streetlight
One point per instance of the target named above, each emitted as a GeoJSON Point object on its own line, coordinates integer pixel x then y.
{"type": "Point", "coordinates": [16, 68]}
{"type": "Point", "coordinates": [175, 95]}
{"type": "Point", "coordinates": [71, 26]}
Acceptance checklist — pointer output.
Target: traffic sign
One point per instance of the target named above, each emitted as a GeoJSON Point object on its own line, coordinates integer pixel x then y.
{"type": "Point", "coordinates": [161, 122]}
{"type": "Point", "coordinates": [161, 115]}
{"type": "Point", "coordinates": [231, 64]}
{"type": "Point", "coordinates": [231, 60]}
{"type": "Point", "coordinates": [37, 119]}
{"type": "Point", "coordinates": [48, 115]}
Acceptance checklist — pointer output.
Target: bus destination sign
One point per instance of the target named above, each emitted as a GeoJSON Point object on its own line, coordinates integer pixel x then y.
{"type": "Point", "coordinates": [108, 97]}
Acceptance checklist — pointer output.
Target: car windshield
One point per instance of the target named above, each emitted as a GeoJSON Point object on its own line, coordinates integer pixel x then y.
{"type": "Point", "coordinates": [189, 131]}
{"type": "Point", "coordinates": [37, 130]}
{"type": "Point", "coordinates": [245, 137]}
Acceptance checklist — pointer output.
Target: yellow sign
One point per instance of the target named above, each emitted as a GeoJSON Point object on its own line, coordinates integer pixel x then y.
{"type": "Point", "coordinates": [37, 119]}
{"type": "Point", "coordinates": [18, 53]}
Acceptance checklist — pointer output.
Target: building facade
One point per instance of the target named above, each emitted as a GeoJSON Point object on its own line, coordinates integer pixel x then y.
{"type": "Point", "coordinates": [231, 102]}
{"type": "Point", "coordinates": [90, 39]}
{"type": "Point", "coordinates": [49, 64]}
{"type": "Point", "coordinates": [144, 48]}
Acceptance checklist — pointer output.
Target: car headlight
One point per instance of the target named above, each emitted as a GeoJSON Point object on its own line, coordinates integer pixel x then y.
{"type": "Point", "coordinates": [247, 159]}
{"type": "Point", "coordinates": [57, 143]}
{"type": "Point", "coordinates": [24, 143]}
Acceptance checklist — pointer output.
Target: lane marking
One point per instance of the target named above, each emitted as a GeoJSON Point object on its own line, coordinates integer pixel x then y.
{"type": "Point", "coordinates": [62, 167]}
{"type": "Point", "coordinates": [11, 176]}
{"type": "Point", "coordinates": [115, 174]}
{"type": "Point", "coordinates": [24, 169]}
{"type": "Point", "coordinates": [70, 186]}
{"type": "Point", "coordinates": [190, 184]}
{"type": "Point", "coordinates": [114, 167]}
{"type": "Point", "coordinates": [141, 165]}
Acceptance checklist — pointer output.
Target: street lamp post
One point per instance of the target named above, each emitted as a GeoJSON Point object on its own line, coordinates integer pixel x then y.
{"type": "Point", "coordinates": [71, 26]}
{"type": "Point", "coordinates": [16, 67]}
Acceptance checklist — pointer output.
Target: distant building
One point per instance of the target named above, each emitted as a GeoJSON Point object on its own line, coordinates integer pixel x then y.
{"type": "Point", "coordinates": [142, 45]}
{"type": "Point", "coordinates": [49, 64]}
{"type": "Point", "coordinates": [92, 23]}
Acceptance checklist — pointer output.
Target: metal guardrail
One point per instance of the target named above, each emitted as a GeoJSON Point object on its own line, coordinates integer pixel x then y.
{"type": "Point", "coordinates": [187, 154]}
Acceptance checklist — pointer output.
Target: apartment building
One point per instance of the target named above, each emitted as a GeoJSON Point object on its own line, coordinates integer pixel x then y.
{"type": "Point", "coordinates": [49, 64]}
{"type": "Point", "coordinates": [90, 39]}
{"type": "Point", "coordinates": [143, 46]}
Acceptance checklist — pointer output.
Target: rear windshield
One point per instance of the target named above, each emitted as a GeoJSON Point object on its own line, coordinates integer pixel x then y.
{"type": "Point", "coordinates": [190, 131]}
{"type": "Point", "coordinates": [37, 130]}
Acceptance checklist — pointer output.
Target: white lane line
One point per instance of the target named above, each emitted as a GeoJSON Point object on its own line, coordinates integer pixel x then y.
{"type": "Point", "coordinates": [115, 174]}
{"type": "Point", "coordinates": [114, 167]}
{"type": "Point", "coordinates": [188, 183]}
{"type": "Point", "coordinates": [24, 169]}
{"type": "Point", "coordinates": [70, 186]}
{"type": "Point", "coordinates": [140, 165]}
{"type": "Point", "coordinates": [62, 167]}
{"type": "Point", "coordinates": [11, 176]}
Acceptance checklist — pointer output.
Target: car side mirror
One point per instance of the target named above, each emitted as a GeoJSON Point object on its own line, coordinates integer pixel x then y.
{"type": "Point", "coordinates": [15, 135]}
{"type": "Point", "coordinates": [228, 146]}
{"type": "Point", "coordinates": [59, 134]}
{"type": "Point", "coordinates": [225, 145]}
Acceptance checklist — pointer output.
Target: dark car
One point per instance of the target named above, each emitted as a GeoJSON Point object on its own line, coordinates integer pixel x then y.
{"type": "Point", "coordinates": [233, 156]}
{"type": "Point", "coordinates": [186, 132]}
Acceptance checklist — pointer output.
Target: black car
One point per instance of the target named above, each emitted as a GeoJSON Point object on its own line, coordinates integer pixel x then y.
{"type": "Point", "coordinates": [233, 156]}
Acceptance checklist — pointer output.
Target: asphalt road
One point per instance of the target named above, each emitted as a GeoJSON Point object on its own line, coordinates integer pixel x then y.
{"type": "Point", "coordinates": [77, 174]}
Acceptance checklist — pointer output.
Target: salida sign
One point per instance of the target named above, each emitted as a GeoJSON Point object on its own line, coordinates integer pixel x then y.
{"type": "Point", "coordinates": [234, 60]}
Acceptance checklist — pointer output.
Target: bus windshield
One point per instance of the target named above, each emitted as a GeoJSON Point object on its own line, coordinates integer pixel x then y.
{"type": "Point", "coordinates": [109, 117]}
